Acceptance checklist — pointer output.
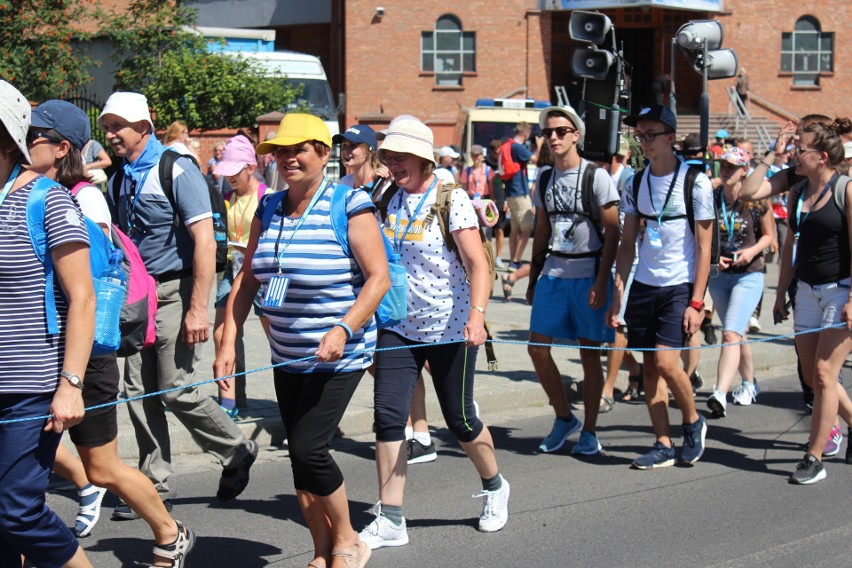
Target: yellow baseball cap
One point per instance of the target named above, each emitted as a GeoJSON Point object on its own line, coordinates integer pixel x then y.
{"type": "Point", "coordinates": [296, 128]}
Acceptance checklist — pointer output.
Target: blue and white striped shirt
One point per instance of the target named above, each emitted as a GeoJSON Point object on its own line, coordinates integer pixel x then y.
{"type": "Point", "coordinates": [324, 283]}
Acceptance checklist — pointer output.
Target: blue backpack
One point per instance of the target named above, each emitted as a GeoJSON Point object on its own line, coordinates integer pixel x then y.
{"type": "Point", "coordinates": [100, 249]}
{"type": "Point", "coordinates": [394, 305]}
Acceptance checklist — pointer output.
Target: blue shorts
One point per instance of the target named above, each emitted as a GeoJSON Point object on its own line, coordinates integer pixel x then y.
{"type": "Point", "coordinates": [735, 297]}
{"type": "Point", "coordinates": [561, 309]}
{"type": "Point", "coordinates": [223, 290]}
{"type": "Point", "coordinates": [654, 315]}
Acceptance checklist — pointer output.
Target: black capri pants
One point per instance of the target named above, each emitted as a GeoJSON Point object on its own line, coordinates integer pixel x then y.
{"type": "Point", "coordinates": [396, 375]}
{"type": "Point", "coordinates": [311, 406]}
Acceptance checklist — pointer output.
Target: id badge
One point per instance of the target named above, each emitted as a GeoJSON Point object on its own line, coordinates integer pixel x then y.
{"type": "Point", "coordinates": [276, 291]}
{"type": "Point", "coordinates": [237, 258]}
{"type": "Point", "coordinates": [654, 238]}
{"type": "Point", "coordinates": [563, 236]}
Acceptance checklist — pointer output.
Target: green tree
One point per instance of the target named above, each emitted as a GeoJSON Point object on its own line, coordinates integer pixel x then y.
{"type": "Point", "coordinates": [36, 53]}
{"type": "Point", "coordinates": [160, 56]}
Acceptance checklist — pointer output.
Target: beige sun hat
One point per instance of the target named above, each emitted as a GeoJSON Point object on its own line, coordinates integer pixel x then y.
{"type": "Point", "coordinates": [409, 136]}
{"type": "Point", "coordinates": [15, 114]}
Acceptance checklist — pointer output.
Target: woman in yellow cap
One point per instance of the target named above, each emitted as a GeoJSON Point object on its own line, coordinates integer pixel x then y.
{"type": "Point", "coordinates": [321, 294]}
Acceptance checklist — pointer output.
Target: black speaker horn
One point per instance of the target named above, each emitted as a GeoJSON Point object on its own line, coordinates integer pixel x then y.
{"type": "Point", "coordinates": [591, 63]}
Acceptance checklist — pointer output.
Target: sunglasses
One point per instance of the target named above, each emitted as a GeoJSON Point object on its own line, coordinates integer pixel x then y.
{"type": "Point", "coordinates": [34, 135]}
{"type": "Point", "coordinates": [560, 131]}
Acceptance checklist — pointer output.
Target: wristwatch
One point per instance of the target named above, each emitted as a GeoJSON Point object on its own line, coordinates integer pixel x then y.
{"type": "Point", "coordinates": [696, 305]}
{"type": "Point", "coordinates": [73, 379]}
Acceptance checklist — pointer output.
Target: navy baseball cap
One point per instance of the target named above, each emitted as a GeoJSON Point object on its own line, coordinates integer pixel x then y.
{"type": "Point", "coordinates": [65, 118]}
{"type": "Point", "coordinates": [655, 112]}
{"type": "Point", "coordinates": [359, 134]}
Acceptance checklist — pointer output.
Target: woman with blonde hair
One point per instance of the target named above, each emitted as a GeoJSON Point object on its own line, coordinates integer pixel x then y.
{"type": "Point", "coordinates": [177, 138]}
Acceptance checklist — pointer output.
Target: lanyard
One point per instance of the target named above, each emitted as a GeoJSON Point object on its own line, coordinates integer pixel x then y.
{"type": "Point", "coordinates": [397, 242]}
{"type": "Point", "coordinates": [799, 219]}
{"type": "Point", "coordinates": [136, 191]}
{"type": "Point", "coordinates": [668, 195]}
{"type": "Point", "coordinates": [729, 223]}
{"type": "Point", "coordinates": [9, 183]}
{"type": "Point", "coordinates": [314, 199]}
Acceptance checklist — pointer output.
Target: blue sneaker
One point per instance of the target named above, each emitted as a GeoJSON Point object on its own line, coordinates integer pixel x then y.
{"type": "Point", "coordinates": [660, 456]}
{"type": "Point", "coordinates": [588, 445]}
{"type": "Point", "coordinates": [560, 432]}
{"type": "Point", "coordinates": [693, 440]}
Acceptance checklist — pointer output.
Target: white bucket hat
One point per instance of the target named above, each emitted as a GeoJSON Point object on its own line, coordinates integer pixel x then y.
{"type": "Point", "coordinates": [15, 114]}
{"type": "Point", "coordinates": [132, 107]}
{"type": "Point", "coordinates": [409, 136]}
{"type": "Point", "coordinates": [569, 113]}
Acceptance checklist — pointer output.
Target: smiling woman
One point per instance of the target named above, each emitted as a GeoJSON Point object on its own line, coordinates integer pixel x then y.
{"type": "Point", "coordinates": [364, 170]}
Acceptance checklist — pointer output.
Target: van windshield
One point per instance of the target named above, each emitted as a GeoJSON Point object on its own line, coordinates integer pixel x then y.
{"type": "Point", "coordinates": [485, 132]}
{"type": "Point", "coordinates": [315, 96]}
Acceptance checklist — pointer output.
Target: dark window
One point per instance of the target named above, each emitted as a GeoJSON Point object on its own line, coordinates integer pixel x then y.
{"type": "Point", "coordinates": [448, 51]}
{"type": "Point", "coordinates": [807, 51]}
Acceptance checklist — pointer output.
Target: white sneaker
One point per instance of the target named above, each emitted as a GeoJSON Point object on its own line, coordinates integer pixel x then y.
{"type": "Point", "coordinates": [383, 532]}
{"type": "Point", "coordinates": [498, 263]}
{"type": "Point", "coordinates": [717, 403]}
{"type": "Point", "coordinates": [753, 325]}
{"type": "Point", "coordinates": [495, 509]}
{"type": "Point", "coordinates": [744, 394]}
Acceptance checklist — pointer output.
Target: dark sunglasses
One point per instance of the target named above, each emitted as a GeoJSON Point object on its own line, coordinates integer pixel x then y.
{"type": "Point", "coordinates": [34, 135]}
{"type": "Point", "coordinates": [560, 131]}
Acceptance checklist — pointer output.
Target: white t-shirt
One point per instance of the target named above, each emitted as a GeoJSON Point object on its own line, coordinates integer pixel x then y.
{"type": "Point", "coordinates": [674, 262]}
{"type": "Point", "coordinates": [93, 204]}
{"type": "Point", "coordinates": [444, 175]}
{"type": "Point", "coordinates": [438, 291]}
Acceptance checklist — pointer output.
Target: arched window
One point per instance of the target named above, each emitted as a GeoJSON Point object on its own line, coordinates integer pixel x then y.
{"type": "Point", "coordinates": [448, 51]}
{"type": "Point", "coordinates": [807, 51]}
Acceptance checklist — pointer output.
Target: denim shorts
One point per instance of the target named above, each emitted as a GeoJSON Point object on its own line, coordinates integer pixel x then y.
{"type": "Point", "coordinates": [820, 305]}
{"type": "Point", "coordinates": [735, 297]}
{"type": "Point", "coordinates": [223, 290]}
{"type": "Point", "coordinates": [654, 315]}
{"type": "Point", "coordinates": [561, 309]}
{"type": "Point", "coordinates": [626, 291]}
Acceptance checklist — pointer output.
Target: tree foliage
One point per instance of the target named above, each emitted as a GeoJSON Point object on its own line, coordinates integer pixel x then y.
{"type": "Point", "coordinates": [158, 55]}
{"type": "Point", "coordinates": [36, 53]}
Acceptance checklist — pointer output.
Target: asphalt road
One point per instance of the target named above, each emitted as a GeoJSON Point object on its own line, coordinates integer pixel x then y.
{"type": "Point", "coordinates": [734, 508]}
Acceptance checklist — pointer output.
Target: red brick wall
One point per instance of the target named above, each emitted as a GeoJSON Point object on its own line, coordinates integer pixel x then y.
{"type": "Point", "coordinates": [382, 68]}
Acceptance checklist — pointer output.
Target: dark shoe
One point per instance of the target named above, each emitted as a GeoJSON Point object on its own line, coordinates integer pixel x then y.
{"type": "Point", "coordinates": [235, 479]}
{"type": "Point", "coordinates": [419, 453]}
{"type": "Point", "coordinates": [659, 456]}
{"type": "Point", "coordinates": [696, 380]}
{"type": "Point", "coordinates": [507, 287]}
{"type": "Point", "coordinates": [709, 330]}
{"type": "Point", "coordinates": [808, 471]}
{"type": "Point", "coordinates": [123, 512]}
{"type": "Point", "coordinates": [693, 441]}
{"type": "Point", "coordinates": [849, 446]}
{"type": "Point", "coordinates": [514, 266]}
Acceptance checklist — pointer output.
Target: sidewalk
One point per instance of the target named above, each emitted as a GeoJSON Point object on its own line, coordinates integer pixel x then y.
{"type": "Point", "coordinates": [512, 386]}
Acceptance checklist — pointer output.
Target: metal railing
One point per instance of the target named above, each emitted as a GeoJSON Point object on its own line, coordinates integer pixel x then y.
{"type": "Point", "coordinates": [743, 121]}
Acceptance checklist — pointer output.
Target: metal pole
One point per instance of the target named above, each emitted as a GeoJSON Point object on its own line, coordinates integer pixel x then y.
{"type": "Point", "coordinates": [704, 103]}
{"type": "Point", "coordinates": [672, 98]}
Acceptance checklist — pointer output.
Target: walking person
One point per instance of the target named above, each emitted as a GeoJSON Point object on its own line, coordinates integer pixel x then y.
{"type": "Point", "coordinates": [175, 241]}
{"type": "Point", "coordinates": [447, 298]}
{"type": "Point", "coordinates": [58, 133]}
{"type": "Point", "coordinates": [320, 301]}
{"type": "Point", "coordinates": [41, 374]}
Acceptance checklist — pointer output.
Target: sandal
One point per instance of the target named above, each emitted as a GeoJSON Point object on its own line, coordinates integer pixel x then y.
{"type": "Point", "coordinates": [507, 287]}
{"type": "Point", "coordinates": [90, 498]}
{"type": "Point", "coordinates": [177, 550]}
{"type": "Point", "coordinates": [606, 404]}
{"type": "Point", "coordinates": [354, 557]}
{"type": "Point", "coordinates": [630, 395]}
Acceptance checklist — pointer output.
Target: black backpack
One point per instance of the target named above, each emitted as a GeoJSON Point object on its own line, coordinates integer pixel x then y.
{"type": "Point", "coordinates": [688, 187]}
{"type": "Point", "coordinates": [587, 197]}
{"type": "Point", "coordinates": [217, 201]}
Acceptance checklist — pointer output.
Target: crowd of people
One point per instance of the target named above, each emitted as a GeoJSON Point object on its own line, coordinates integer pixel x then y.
{"type": "Point", "coordinates": [621, 256]}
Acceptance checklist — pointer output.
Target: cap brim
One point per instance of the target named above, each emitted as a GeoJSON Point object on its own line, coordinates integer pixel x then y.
{"type": "Point", "coordinates": [39, 122]}
{"type": "Point", "coordinates": [228, 168]}
{"type": "Point", "coordinates": [270, 145]}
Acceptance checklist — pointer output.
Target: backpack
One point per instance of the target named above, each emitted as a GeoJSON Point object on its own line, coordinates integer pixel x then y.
{"type": "Point", "coordinates": [590, 207]}
{"type": "Point", "coordinates": [839, 191]}
{"type": "Point", "coordinates": [507, 167]}
{"type": "Point", "coordinates": [100, 249]}
{"type": "Point", "coordinates": [167, 162]}
{"type": "Point", "coordinates": [138, 320]}
{"type": "Point", "coordinates": [688, 187]}
{"type": "Point", "coordinates": [394, 305]}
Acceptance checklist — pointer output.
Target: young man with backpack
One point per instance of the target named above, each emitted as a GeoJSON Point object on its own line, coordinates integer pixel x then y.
{"type": "Point", "coordinates": [666, 302]}
{"type": "Point", "coordinates": [174, 235]}
{"type": "Point", "coordinates": [513, 159]}
{"type": "Point", "coordinates": [570, 281]}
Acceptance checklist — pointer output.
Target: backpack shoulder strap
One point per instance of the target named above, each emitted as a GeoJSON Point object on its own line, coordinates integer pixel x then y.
{"type": "Point", "coordinates": [795, 194]}
{"type": "Point", "coordinates": [384, 200]}
{"type": "Point", "coordinates": [270, 204]}
{"type": "Point", "coordinates": [36, 203]}
{"type": "Point", "coordinates": [543, 180]}
{"type": "Point", "coordinates": [688, 187]}
{"type": "Point", "coordinates": [590, 206]}
{"type": "Point", "coordinates": [637, 183]}
{"type": "Point", "coordinates": [115, 187]}
{"type": "Point", "coordinates": [840, 191]}
{"type": "Point", "coordinates": [339, 220]}
{"type": "Point", "coordinates": [441, 210]}
{"type": "Point", "coordinates": [166, 167]}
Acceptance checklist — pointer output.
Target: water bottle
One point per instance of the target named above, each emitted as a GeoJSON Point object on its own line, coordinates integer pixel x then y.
{"type": "Point", "coordinates": [220, 233]}
{"type": "Point", "coordinates": [110, 289]}
{"type": "Point", "coordinates": [477, 200]}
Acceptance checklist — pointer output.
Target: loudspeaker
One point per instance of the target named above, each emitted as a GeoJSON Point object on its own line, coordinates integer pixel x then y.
{"type": "Point", "coordinates": [605, 92]}
{"type": "Point", "coordinates": [692, 34]}
{"type": "Point", "coordinates": [721, 64]}
{"type": "Point", "coordinates": [602, 125]}
{"type": "Point", "coordinates": [589, 26]}
{"type": "Point", "coordinates": [591, 63]}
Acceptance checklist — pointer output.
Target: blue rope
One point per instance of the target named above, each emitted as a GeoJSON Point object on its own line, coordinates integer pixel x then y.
{"type": "Point", "coordinates": [502, 341]}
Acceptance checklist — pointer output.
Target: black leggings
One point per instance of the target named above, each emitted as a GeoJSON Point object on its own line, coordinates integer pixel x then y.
{"type": "Point", "coordinates": [311, 406]}
{"type": "Point", "coordinates": [396, 376]}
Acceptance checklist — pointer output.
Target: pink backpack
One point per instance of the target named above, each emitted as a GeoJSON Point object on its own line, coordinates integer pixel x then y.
{"type": "Point", "coordinates": [139, 311]}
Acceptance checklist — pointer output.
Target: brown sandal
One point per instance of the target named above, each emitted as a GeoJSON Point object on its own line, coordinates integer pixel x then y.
{"type": "Point", "coordinates": [356, 556]}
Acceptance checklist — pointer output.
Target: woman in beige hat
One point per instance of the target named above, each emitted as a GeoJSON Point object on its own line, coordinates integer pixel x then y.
{"type": "Point", "coordinates": [447, 296]}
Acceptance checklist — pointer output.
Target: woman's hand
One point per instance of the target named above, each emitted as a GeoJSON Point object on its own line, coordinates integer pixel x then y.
{"type": "Point", "coordinates": [474, 330]}
{"type": "Point", "coordinates": [67, 408]}
{"type": "Point", "coordinates": [223, 366]}
{"type": "Point", "coordinates": [725, 262]}
{"type": "Point", "coordinates": [779, 310]}
{"type": "Point", "coordinates": [332, 344]}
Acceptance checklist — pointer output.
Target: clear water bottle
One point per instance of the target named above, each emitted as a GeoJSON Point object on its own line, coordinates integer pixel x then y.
{"type": "Point", "coordinates": [220, 232]}
{"type": "Point", "coordinates": [110, 289]}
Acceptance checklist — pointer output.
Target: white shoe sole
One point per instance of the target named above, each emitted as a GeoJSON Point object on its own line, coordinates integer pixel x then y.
{"type": "Point", "coordinates": [423, 459]}
{"type": "Point", "coordinates": [815, 479]}
{"type": "Point", "coordinates": [385, 543]}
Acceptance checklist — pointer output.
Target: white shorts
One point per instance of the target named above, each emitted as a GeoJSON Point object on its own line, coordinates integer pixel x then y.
{"type": "Point", "coordinates": [821, 305]}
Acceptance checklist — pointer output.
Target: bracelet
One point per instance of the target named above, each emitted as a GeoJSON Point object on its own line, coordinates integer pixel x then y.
{"type": "Point", "coordinates": [346, 328]}
{"type": "Point", "coordinates": [479, 309]}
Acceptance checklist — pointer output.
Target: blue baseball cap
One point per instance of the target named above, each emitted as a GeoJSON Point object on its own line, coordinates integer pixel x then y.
{"type": "Point", "coordinates": [359, 134]}
{"type": "Point", "coordinates": [65, 118]}
{"type": "Point", "coordinates": [659, 113]}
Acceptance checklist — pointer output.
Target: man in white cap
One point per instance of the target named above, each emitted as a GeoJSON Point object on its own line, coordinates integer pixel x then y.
{"type": "Point", "coordinates": [175, 240]}
{"type": "Point", "coordinates": [446, 160]}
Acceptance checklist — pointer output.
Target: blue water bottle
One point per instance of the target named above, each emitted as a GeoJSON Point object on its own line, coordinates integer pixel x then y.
{"type": "Point", "coordinates": [110, 289]}
{"type": "Point", "coordinates": [220, 233]}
